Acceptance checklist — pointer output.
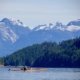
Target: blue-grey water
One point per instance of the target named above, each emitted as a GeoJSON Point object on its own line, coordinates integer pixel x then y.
{"type": "Point", "coordinates": [47, 74]}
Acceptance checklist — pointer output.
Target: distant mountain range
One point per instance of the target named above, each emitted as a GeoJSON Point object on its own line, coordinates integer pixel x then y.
{"type": "Point", "coordinates": [14, 35]}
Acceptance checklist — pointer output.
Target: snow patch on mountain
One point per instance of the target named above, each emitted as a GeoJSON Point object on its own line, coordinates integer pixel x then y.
{"type": "Point", "coordinates": [16, 22]}
{"type": "Point", "coordinates": [7, 34]}
{"type": "Point", "coordinates": [40, 27]}
{"type": "Point", "coordinates": [72, 28]}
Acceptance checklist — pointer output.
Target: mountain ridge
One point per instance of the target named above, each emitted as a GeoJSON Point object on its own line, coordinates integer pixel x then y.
{"type": "Point", "coordinates": [14, 35]}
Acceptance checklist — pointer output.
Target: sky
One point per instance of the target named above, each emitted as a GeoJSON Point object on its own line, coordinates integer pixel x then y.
{"type": "Point", "coordinates": [35, 12]}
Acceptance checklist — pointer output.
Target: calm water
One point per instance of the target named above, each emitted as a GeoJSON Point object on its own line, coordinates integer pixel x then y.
{"type": "Point", "coordinates": [48, 74]}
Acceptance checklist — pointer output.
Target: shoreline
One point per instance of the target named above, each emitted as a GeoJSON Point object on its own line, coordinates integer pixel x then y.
{"type": "Point", "coordinates": [33, 67]}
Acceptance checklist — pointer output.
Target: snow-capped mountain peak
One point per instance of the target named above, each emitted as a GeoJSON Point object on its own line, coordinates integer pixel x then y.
{"type": "Point", "coordinates": [5, 20]}
{"type": "Point", "coordinates": [17, 22]}
{"type": "Point", "coordinates": [11, 21]}
{"type": "Point", "coordinates": [11, 29]}
{"type": "Point", "coordinates": [44, 27]}
{"type": "Point", "coordinates": [74, 22]}
{"type": "Point", "coordinates": [59, 26]}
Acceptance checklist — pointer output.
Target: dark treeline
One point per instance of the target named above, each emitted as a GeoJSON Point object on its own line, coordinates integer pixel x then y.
{"type": "Point", "coordinates": [1, 61]}
{"type": "Point", "coordinates": [47, 54]}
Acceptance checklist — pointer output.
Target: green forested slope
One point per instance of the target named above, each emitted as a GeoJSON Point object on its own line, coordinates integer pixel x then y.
{"type": "Point", "coordinates": [47, 54]}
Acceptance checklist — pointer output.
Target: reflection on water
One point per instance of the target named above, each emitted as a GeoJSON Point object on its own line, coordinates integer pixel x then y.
{"type": "Point", "coordinates": [47, 74]}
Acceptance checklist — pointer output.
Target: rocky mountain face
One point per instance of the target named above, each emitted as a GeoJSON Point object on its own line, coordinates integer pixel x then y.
{"type": "Point", "coordinates": [14, 35]}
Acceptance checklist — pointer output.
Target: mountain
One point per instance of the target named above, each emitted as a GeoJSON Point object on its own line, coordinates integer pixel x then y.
{"type": "Point", "coordinates": [47, 54]}
{"type": "Point", "coordinates": [14, 35]}
{"type": "Point", "coordinates": [75, 23]}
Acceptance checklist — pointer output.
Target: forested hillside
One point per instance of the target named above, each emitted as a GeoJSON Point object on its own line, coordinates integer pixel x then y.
{"type": "Point", "coordinates": [1, 61]}
{"type": "Point", "coordinates": [47, 54]}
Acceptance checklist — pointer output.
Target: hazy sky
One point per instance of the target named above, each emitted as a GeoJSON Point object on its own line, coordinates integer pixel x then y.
{"type": "Point", "coordinates": [34, 12]}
